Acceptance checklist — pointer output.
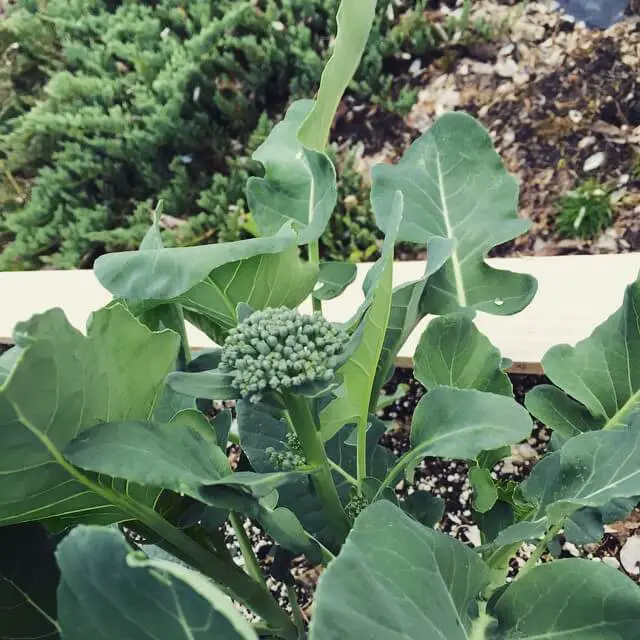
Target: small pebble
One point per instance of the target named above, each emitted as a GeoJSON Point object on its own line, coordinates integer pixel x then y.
{"type": "Point", "coordinates": [595, 161]}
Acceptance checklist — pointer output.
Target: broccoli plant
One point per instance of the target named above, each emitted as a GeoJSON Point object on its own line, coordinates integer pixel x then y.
{"type": "Point", "coordinates": [116, 426]}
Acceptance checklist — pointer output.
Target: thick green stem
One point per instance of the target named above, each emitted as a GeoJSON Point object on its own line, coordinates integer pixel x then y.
{"type": "Point", "coordinates": [540, 548]}
{"type": "Point", "coordinates": [304, 422]}
{"type": "Point", "coordinates": [480, 624]}
{"type": "Point", "coordinates": [250, 560]}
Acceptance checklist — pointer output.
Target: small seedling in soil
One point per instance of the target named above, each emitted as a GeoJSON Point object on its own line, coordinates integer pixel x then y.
{"type": "Point", "coordinates": [584, 212]}
{"type": "Point", "coordinates": [114, 426]}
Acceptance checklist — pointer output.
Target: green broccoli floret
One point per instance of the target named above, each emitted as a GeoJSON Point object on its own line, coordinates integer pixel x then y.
{"type": "Point", "coordinates": [277, 349]}
{"type": "Point", "coordinates": [291, 458]}
{"type": "Point", "coordinates": [355, 506]}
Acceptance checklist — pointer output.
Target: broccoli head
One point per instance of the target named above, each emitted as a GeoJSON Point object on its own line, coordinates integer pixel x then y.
{"type": "Point", "coordinates": [278, 349]}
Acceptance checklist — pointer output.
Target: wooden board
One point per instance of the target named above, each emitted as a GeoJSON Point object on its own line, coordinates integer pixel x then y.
{"type": "Point", "coordinates": [575, 294]}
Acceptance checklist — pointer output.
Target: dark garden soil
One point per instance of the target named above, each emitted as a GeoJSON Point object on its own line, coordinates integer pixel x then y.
{"type": "Point", "coordinates": [561, 101]}
{"type": "Point", "coordinates": [448, 479]}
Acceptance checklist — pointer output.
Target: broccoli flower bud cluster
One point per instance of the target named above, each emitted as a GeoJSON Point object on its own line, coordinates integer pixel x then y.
{"type": "Point", "coordinates": [355, 506]}
{"type": "Point", "coordinates": [277, 349]}
{"type": "Point", "coordinates": [291, 458]}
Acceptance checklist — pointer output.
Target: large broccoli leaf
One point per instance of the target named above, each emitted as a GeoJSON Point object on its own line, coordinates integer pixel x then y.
{"type": "Point", "coordinates": [456, 187]}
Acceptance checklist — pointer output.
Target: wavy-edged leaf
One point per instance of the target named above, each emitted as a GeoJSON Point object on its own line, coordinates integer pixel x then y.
{"type": "Point", "coordinates": [299, 185]}
{"type": "Point", "coordinates": [164, 274]}
{"type": "Point", "coordinates": [334, 278]}
{"type": "Point", "coordinates": [355, 18]}
{"type": "Point", "coordinates": [354, 397]}
{"type": "Point", "coordinates": [589, 470]}
{"type": "Point", "coordinates": [183, 456]}
{"type": "Point", "coordinates": [570, 599]}
{"type": "Point", "coordinates": [114, 373]}
{"type": "Point", "coordinates": [601, 374]}
{"type": "Point", "coordinates": [257, 485]}
{"type": "Point", "coordinates": [455, 186]}
{"type": "Point", "coordinates": [28, 582]}
{"type": "Point", "coordinates": [461, 423]}
{"type": "Point", "coordinates": [396, 603]}
{"type": "Point", "coordinates": [453, 352]}
{"type": "Point", "coordinates": [109, 592]}
{"type": "Point", "coordinates": [598, 470]}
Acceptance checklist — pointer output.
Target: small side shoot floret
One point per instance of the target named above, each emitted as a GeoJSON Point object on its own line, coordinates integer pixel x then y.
{"type": "Point", "coordinates": [291, 458]}
{"type": "Point", "coordinates": [279, 349]}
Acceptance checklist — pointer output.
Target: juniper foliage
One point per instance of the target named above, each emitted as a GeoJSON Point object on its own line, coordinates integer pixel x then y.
{"type": "Point", "coordinates": [108, 106]}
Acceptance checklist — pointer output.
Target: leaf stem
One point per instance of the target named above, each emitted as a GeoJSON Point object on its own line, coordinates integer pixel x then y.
{"type": "Point", "coordinates": [391, 477]}
{"type": "Point", "coordinates": [361, 449]}
{"type": "Point", "coordinates": [250, 560]}
{"type": "Point", "coordinates": [347, 476]}
{"type": "Point", "coordinates": [314, 258]}
{"type": "Point", "coordinates": [481, 623]}
{"type": "Point", "coordinates": [298, 616]}
{"type": "Point", "coordinates": [541, 547]}
{"type": "Point", "coordinates": [304, 422]}
{"type": "Point", "coordinates": [185, 349]}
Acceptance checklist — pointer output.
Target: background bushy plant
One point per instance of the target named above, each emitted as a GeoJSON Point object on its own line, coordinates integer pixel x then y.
{"type": "Point", "coordinates": [108, 106]}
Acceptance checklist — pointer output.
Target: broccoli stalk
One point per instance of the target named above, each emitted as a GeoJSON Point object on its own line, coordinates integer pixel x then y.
{"type": "Point", "coordinates": [278, 351]}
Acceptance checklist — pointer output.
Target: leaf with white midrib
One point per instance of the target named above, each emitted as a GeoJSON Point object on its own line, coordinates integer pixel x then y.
{"type": "Point", "coordinates": [590, 470]}
{"type": "Point", "coordinates": [117, 371]}
{"type": "Point", "coordinates": [267, 280]}
{"type": "Point", "coordinates": [452, 352]}
{"type": "Point", "coordinates": [570, 599]}
{"type": "Point", "coordinates": [107, 593]}
{"type": "Point", "coordinates": [456, 188]}
{"type": "Point", "coordinates": [461, 423]}
{"type": "Point", "coordinates": [395, 604]}
{"type": "Point", "coordinates": [395, 579]}
{"type": "Point", "coordinates": [598, 380]}
{"type": "Point", "coordinates": [299, 185]}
